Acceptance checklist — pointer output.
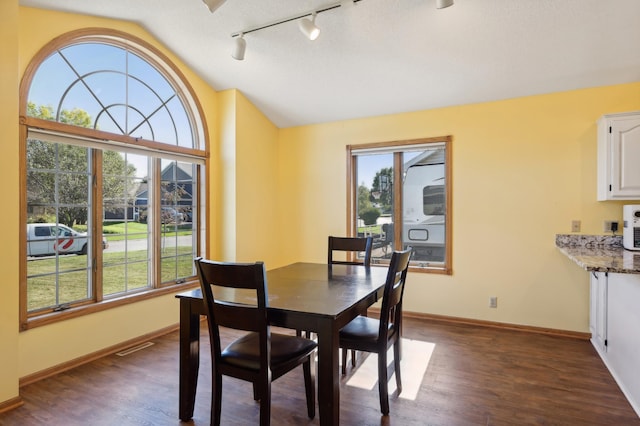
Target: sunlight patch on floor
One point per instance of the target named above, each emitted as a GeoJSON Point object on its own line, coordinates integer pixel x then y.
{"type": "Point", "coordinates": [415, 360]}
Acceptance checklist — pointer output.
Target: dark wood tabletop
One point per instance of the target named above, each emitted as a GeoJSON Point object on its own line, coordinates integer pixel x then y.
{"type": "Point", "coordinates": [306, 296]}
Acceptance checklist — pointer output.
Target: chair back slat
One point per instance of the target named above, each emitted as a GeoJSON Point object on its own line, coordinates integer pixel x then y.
{"type": "Point", "coordinates": [350, 244]}
{"type": "Point", "coordinates": [391, 310]}
{"type": "Point", "coordinates": [237, 316]}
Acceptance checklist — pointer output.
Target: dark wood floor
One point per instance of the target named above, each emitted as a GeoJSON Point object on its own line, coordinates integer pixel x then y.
{"type": "Point", "coordinates": [475, 376]}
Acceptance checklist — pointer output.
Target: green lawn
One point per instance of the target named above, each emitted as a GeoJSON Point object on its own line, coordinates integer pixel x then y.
{"type": "Point", "coordinates": [117, 275]}
{"type": "Point", "coordinates": [370, 229]}
{"type": "Point", "coordinates": [117, 231]}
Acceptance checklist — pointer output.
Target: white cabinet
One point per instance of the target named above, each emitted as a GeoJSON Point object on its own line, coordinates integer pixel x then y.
{"type": "Point", "coordinates": [623, 321]}
{"type": "Point", "coordinates": [618, 156]}
{"type": "Point", "coordinates": [598, 310]}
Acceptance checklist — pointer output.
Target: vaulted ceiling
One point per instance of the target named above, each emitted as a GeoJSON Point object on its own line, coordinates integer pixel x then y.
{"type": "Point", "coordinates": [388, 56]}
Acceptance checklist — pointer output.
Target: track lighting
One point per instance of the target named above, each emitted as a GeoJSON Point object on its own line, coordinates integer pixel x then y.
{"type": "Point", "coordinates": [309, 28]}
{"type": "Point", "coordinates": [306, 25]}
{"type": "Point", "coordinates": [213, 4]}
{"type": "Point", "coordinates": [441, 4]}
{"type": "Point", "coordinates": [239, 47]}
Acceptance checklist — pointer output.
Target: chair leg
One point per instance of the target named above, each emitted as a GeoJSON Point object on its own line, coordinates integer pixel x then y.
{"type": "Point", "coordinates": [256, 392]}
{"type": "Point", "coordinates": [383, 387]}
{"type": "Point", "coordinates": [265, 403]}
{"type": "Point", "coordinates": [396, 362]}
{"type": "Point", "coordinates": [216, 399]}
{"type": "Point", "coordinates": [344, 361]}
{"type": "Point", "coordinates": [309, 385]}
{"type": "Point", "coordinates": [353, 358]}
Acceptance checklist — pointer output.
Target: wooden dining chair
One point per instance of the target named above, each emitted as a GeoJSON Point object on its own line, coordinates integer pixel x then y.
{"type": "Point", "coordinates": [259, 356]}
{"type": "Point", "coordinates": [347, 244]}
{"type": "Point", "coordinates": [377, 335]}
{"type": "Point", "coordinates": [354, 245]}
{"type": "Point", "coordinates": [350, 244]}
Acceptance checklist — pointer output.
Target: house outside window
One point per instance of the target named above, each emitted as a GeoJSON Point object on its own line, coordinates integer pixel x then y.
{"type": "Point", "coordinates": [114, 161]}
{"type": "Point", "coordinates": [400, 194]}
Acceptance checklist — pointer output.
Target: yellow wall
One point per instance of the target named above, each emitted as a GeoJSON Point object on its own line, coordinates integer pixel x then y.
{"type": "Point", "coordinates": [248, 174]}
{"type": "Point", "coordinates": [9, 156]}
{"type": "Point", "coordinates": [225, 171]}
{"type": "Point", "coordinates": [256, 192]}
{"type": "Point", "coordinates": [522, 170]}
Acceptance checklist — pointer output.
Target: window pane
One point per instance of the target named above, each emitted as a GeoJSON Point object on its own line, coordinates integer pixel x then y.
{"type": "Point", "coordinates": [181, 122]}
{"type": "Point", "coordinates": [58, 195]}
{"type": "Point", "coordinates": [162, 124]}
{"type": "Point", "coordinates": [141, 70]}
{"type": "Point", "coordinates": [88, 57]}
{"type": "Point", "coordinates": [176, 216]}
{"type": "Point", "coordinates": [111, 89]}
{"type": "Point", "coordinates": [107, 87]}
{"type": "Point", "coordinates": [125, 192]}
{"type": "Point", "coordinates": [374, 211]}
{"type": "Point", "coordinates": [423, 202]}
{"type": "Point", "coordinates": [41, 289]}
{"type": "Point", "coordinates": [73, 286]}
{"type": "Point", "coordinates": [43, 93]}
{"type": "Point", "coordinates": [58, 271]}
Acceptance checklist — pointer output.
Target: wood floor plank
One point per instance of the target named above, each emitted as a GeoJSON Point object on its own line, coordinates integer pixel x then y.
{"type": "Point", "coordinates": [475, 376]}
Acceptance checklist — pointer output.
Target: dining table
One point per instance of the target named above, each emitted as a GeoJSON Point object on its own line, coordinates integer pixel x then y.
{"type": "Point", "coordinates": [314, 297]}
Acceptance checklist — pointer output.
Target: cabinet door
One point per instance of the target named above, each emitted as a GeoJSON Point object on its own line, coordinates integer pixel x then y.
{"type": "Point", "coordinates": [625, 153]}
{"type": "Point", "coordinates": [598, 311]}
{"type": "Point", "coordinates": [623, 334]}
{"type": "Point", "coordinates": [593, 298]}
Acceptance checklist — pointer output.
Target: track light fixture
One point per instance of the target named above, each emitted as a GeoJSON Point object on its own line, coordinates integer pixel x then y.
{"type": "Point", "coordinates": [441, 4]}
{"type": "Point", "coordinates": [309, 28]}
{"type": "Point", "coordinates": [213, 4]}
{"type": "Point", "coordinates": [239, 47]}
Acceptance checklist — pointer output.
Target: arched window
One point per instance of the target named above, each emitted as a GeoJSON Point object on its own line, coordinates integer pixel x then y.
{"type": "Point", "coordinates": [114, 154]}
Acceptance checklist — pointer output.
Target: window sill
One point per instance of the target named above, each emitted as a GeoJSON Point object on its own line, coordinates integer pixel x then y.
{"type": "Point", "coordinates": [90, 308]}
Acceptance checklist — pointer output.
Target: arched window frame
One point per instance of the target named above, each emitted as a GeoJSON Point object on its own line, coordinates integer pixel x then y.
{"type": "Point", "coordinates": [106, 140]}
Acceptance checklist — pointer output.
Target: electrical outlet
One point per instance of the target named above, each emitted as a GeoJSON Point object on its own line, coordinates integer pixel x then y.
{"type": "Point", "coordinates": [493, 302]}
{"type": "Point", "coordinates": [575, 226]}
{"type": "Point", "coordinates": [610, 226]}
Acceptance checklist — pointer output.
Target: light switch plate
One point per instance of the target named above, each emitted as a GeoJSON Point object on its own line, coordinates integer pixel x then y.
{"type": "Point", "coordinates": [575, 226]}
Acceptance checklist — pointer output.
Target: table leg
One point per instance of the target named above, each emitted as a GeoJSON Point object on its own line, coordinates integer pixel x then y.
{"type": "Point", "coordinates": [189, 358]}
{"type": "Point", "coordinates": [328, 375]}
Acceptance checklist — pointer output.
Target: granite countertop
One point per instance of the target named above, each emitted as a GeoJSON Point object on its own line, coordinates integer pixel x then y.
{"type": "Point", "coordinates": [602, 253]}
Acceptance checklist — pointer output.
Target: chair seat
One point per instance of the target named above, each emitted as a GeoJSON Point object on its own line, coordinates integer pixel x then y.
{"type": "Point", "coordinates": [245, 351]}
{"type": "Point", "coordinates": [362, 329]}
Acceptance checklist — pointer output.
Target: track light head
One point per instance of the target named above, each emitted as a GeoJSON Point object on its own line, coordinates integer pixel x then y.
{"type": "Point", "coordinates": [309, 28]}
{"type": "Point", "coordinates": [239, 47]}
{"type": "Point", "coordinates": [441, 4]}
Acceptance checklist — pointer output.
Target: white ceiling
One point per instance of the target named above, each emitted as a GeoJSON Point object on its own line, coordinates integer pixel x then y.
{"type": "Point", "coordinates": [389, 56]}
